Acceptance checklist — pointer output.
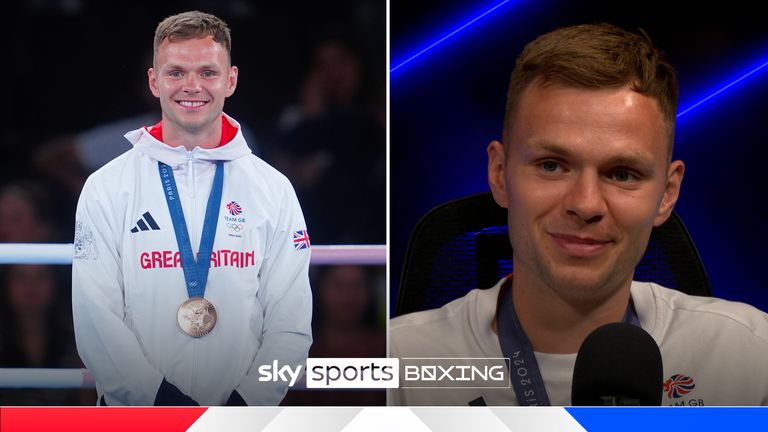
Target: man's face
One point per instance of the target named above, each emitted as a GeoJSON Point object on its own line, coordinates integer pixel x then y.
{"type": "Point", "coordinates": [192, 78]}
{"type": "Point", "coordinates": [585, 179]}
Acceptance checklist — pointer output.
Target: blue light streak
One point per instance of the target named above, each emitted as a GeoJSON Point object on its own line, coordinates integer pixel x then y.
{"type": "Point", "coordinates": [449, 35]}
{"type": "Point", "coordinates": [724, 88]}
{"type": "Point", "coordinates": [714, 94]}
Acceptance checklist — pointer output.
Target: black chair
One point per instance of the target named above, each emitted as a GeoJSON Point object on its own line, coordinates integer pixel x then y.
{"type": "Point", "coordinates": [463, 244]}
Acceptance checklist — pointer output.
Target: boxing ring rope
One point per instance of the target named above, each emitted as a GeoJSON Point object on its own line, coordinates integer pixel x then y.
{"type": "Point", "coordinates": [61, 253]}
{"type": "Point", "coordinates": [42, 378]}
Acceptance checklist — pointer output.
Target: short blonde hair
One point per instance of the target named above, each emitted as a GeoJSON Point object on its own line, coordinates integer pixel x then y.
{"type": "Point", "coordinates": [193, 25]}
{"type": "Point", "coordinates": [595, 56]}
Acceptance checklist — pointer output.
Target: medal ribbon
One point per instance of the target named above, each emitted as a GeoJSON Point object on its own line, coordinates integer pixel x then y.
{"type": "Point", "coordinates": [523, 368]}
{"type": "Point", "coordinates": [195, 271]}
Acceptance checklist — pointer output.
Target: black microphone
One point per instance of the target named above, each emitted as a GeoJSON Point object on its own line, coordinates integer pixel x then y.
{"type": "Point", "coordinates": [618, 364]}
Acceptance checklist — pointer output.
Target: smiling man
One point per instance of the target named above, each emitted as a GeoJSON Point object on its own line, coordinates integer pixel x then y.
{"type": "Point", "coordinates": [188, 284]}
{"type": "Point", "coordinates": [585, 170]}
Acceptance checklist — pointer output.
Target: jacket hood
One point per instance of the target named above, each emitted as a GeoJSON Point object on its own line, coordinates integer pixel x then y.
{"type": "Point", "coordinates": [144, 142]}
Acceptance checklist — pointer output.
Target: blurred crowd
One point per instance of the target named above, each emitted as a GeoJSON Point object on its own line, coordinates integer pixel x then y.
{"type": "Point", "coordinates": [321, 120]}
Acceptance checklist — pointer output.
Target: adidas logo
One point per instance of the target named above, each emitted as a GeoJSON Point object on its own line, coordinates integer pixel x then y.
{"type": "Point", "coordinates": [146, 223]}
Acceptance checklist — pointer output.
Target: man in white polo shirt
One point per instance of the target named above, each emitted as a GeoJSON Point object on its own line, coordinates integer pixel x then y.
{"type": "Point", "coordinates": [585, 170]}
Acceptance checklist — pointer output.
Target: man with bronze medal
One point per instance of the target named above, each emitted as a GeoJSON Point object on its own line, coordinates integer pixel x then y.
{"type": "Point", "coordinates": [196, 316]}
{"type": "Point", "coordinates": [169, 310]}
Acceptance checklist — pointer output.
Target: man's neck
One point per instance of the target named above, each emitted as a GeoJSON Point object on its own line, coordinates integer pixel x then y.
{"type": "Point", "coordinates": [207, 138]}
{"type": "Point", "coordinates": [554, 325]}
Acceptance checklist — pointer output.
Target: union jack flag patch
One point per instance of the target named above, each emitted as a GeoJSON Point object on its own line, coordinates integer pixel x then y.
{"type": "Point", "coordinates": [300, 240]}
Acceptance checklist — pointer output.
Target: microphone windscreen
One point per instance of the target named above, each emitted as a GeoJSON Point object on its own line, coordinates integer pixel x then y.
{"type": "Point", "coordinates": [618, 364]}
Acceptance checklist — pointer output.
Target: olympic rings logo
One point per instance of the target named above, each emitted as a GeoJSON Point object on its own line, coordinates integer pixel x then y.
{"type": "Point", "coordinates": [236, 227]}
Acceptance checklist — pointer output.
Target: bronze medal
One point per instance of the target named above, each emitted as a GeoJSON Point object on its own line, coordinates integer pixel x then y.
{"type": "Point", "coordinates": [196, 317]}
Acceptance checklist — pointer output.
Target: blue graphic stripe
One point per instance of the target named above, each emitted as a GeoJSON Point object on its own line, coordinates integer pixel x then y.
{"type": "Point", "coordinates": [448, 36]}
{"type": "Point", "coordinates": [724, 88]}
{"type": "Point", "coordinates": [761, 66]}
{"type": "Point", "coordinates": [643, 419]}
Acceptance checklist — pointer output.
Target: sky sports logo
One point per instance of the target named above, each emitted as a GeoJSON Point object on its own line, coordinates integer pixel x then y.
{"type": "Point", "coordinates": [372, 373]}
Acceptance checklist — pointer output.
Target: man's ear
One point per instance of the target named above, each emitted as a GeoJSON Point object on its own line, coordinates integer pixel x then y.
{"type": "Point", "coordinates": [232, 84]}
{"type": "Point", "coordinates": [496, 164]}
{"type": "Point", "coordinates": [671, 191]}
{"type": "Point", "coordinates": [152, 82]}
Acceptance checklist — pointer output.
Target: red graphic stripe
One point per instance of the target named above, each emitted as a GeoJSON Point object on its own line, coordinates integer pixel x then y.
{"type": "Point", "coordinates": [93, 419]}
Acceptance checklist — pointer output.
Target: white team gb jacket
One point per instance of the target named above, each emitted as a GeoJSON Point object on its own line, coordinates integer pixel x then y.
{"type": "Point", "coordinates": [714, 352]}
{"type": "Point", "coordinates": [128, 283]}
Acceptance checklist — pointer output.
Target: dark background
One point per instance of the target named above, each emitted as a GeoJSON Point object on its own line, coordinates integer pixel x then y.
{"type": "Point", "coordinates": [447, 105]}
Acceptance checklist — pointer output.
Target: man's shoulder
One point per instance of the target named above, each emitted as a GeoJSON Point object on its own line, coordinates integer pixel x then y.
{"type": "Point", "coordinates": [450, 330]}
{"type": "Point", "coordinates": [114, 173]}
{"type": "Point", "coordinates": [699, 338]}
{"type": "Point", "coordinates": [449, 311]}
{"type": "Point", "coordinates": [674, 309]}
{"type": "Point", "coordinates": [262, 173]}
